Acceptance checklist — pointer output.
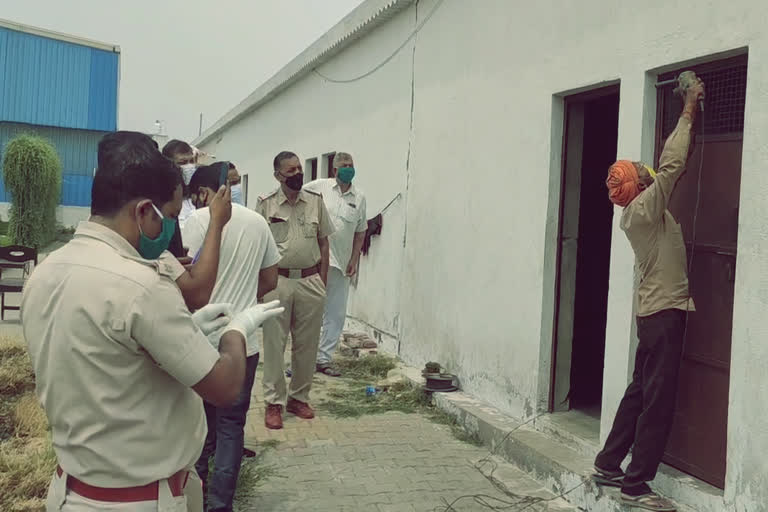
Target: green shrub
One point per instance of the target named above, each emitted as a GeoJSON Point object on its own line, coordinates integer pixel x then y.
{"type": "Point", "coordinates": [32, 173]}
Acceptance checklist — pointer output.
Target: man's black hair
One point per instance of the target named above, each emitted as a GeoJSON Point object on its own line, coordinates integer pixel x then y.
{"type": "Point", "coordinates": [208, 176]}
{"type": "Point", "coordinates": [130, 167]}
{"type": "Point", "coordinates": [283, 155]}
{"type": "Point", "coordinates": [176, 147]}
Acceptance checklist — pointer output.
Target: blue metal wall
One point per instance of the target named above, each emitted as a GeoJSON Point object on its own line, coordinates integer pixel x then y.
{"type": "Point", "coordinates": [55, 83]}
{"type": "Point", "coordinates": [77, 151]}
{"type": "Point", "coordinates": [64, 92]}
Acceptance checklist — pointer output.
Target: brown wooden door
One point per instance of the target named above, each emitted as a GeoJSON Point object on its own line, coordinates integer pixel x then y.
{"type": "Point", "coordinates": [697, 444]}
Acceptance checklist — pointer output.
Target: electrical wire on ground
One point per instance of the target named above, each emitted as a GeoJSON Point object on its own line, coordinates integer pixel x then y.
{"type": "Point", "coordinates": [513, 502]}
{"type": "Point", "coordinates": [385, 61]}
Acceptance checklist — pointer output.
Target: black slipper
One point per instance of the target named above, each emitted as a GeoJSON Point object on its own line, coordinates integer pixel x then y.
{"type": "Point", "coordinates": [608, 478]}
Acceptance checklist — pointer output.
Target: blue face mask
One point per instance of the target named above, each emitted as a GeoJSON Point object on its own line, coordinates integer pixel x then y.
{"type": "Point", "coordinates": [237, 194]}
{"type": "Point", "coordinates": [345, 174]}
{"type": "Point", "coordinates": [150, 249]}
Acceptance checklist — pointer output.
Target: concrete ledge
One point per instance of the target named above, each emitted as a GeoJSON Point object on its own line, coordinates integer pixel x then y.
{"type": "Point", "coordinates": [560, 462]}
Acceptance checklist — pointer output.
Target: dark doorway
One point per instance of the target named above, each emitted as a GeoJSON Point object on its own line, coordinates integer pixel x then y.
{"type": "Point", "coordinates": [697, 444]}
{"type": "Point", "coordinates": [591, 135]}
{"type": "Point", "coordinates": [329, 163]}
{"type": "Point", "coordinates": [312, 168]}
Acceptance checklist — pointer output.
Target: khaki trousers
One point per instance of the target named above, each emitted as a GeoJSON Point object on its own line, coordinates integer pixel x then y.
{"type": "Point", "coordinates": [304, 302]}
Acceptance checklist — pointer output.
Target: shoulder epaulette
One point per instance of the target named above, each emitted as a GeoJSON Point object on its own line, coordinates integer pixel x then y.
{"type": "Point", "coordinates": [268, 195]}
{"type": "Point", "coordinates": [318, 194]}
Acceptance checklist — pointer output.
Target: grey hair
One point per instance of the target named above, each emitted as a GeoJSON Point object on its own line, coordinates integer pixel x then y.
{"type": "Point", "coordinates": [341, 157]}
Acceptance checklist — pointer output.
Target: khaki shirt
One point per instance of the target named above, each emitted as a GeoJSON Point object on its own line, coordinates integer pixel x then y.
{"type": "Point", "coordinates": [296, 227]}
{"type": "Point", "coordinates": [115, 351]}
{"type": "Point", "coordinates": [655, 235]}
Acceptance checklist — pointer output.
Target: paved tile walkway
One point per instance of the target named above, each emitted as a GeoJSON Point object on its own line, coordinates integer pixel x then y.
{"type": "Point", "coordinates": [381, 463]}
{"type": "Point", "coordinates": [388, 462]}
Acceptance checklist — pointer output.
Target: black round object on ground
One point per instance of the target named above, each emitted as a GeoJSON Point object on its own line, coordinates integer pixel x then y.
{"type": "Point", "coordinates": [440, 383]}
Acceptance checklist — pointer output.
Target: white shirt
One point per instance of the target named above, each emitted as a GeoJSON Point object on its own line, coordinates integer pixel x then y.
{"type": "Point", "coordinates": [187, 209]}
{"type": "Point", "coordinates": [347, 211]}
{"type": "Point", "coordinates": [247, 247]}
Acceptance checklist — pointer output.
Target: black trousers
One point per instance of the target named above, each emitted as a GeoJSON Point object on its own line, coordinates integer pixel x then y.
{"type": "Point", "coordinates": [645, 415]}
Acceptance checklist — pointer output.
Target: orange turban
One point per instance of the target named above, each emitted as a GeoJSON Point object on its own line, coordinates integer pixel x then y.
{"type": "Point", "coordinates": [622, 182]}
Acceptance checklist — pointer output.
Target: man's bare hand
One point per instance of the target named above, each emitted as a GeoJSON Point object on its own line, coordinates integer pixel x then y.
{"type": "Point", "coordinates": [352, 267]}
{"type": "Point", "coordinates": [221, 206]}
{"type": "Point", "coordinates": [185, 260]}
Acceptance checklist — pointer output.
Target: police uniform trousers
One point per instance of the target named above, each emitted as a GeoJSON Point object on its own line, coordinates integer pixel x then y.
{"type": "Point", "coordinates": [304, 302]}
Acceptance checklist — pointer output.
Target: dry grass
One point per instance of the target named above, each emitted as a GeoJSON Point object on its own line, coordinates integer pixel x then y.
{"type": "Point", "coordinates": [26, 466]}
{"type": "Point", "coordinates": [16, 375]}
{"type": "Point", "coordinates": [27, 459]}
{"type": "Point", "coordinates": [29, 418]}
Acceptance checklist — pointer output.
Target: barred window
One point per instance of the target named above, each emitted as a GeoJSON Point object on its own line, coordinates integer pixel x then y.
{"type": "Point", "coordinates": [726, 90]}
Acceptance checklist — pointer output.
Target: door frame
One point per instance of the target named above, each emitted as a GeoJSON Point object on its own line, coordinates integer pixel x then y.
{"type": "Point", "coordinates": [568, 102]}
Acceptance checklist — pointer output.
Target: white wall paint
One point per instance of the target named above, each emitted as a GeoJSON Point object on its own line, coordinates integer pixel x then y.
{"type": "Point", "coordinates": [313, 118]}
{"type": "Point", "coordinates": [67, 216]}
{"type": "Point", "coordinates": [471, 288]}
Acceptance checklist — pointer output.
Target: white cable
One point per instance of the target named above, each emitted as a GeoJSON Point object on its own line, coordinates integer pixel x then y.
{"type": "Point", "coordinates": [385, 61]}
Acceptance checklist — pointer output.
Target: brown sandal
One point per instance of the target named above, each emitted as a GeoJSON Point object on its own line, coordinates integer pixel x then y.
{"type": "Point", "coordinates": [650, 501]}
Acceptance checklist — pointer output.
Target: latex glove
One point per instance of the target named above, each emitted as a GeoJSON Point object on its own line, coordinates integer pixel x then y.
{"type": "Point", "coordinates": [212, 317]}
{"type": "Point", "coordinates": [247, 321]}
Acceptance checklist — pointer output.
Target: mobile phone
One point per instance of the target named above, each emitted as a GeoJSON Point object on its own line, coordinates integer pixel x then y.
{"type": "Point", "coordinates": [223, 177]}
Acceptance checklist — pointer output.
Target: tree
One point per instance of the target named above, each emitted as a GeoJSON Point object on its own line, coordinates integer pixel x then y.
{"type": "Point", "coordinates": [32, 173]}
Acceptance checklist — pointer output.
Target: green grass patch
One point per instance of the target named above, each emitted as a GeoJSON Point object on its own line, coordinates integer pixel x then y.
{"type": "Point", "coordinates": [254, 472]}
{"type": "Point", "coordinates": [371, 367]}
{"type": "Point", "coordinates": [349, 400]}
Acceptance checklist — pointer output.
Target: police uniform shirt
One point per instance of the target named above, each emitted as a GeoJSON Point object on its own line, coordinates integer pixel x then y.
{"type": "Point", "coordinates": [115, 351]}
{"type": "Point", "coordinates": [296, 227]}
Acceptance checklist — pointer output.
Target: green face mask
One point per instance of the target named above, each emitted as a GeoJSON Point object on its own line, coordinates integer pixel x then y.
{"type": "Point", "coordinates": [150, 249]}
{"type": "Point", "coordinates": [345, 174]}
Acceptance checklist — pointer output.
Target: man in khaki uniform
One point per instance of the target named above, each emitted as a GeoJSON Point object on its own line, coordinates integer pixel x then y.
{"type": "Point", "coordinates": [300, 225]}
{"type": "Point", "coordinates": [120, 364]}
{"type": "Point", "coordinates": [646, 412]}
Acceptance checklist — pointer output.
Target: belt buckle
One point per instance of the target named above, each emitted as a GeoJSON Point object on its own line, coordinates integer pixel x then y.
{"type": "Point", "coordinates": [294, 273]}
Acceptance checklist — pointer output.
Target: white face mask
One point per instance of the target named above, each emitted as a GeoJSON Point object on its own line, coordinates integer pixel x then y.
{"type": "Point", "coordinates": [187, 170]}
{"type": "Point", "coordinates": [237, 194]}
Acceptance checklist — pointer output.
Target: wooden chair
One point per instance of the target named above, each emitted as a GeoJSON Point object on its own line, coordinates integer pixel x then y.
{"type": "Point", "coordinates": [14, 256]}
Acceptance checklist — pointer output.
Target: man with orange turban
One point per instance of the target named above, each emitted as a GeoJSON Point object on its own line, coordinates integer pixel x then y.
{"type": "Point", "coordinates": [644, 418]}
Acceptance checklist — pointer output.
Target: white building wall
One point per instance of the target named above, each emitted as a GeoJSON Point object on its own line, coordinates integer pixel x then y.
{"type": "Point", "coordinates": [473, 286]}
{"type": "Point", "coordinates": [369, 119]}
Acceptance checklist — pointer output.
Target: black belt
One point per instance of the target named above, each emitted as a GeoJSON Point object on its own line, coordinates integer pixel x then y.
{"type": "Point", "coordinates": [299, 273]}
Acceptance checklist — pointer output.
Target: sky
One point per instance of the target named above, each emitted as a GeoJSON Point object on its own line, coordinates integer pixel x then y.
{"type": "Point", "coordinates": [183, 57]}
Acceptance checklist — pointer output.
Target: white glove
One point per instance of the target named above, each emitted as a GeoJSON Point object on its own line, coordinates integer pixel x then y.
{"type": "Point", "coordinates": [247, 321]}
{"type": "Point", "coordinates": [212, 317]}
